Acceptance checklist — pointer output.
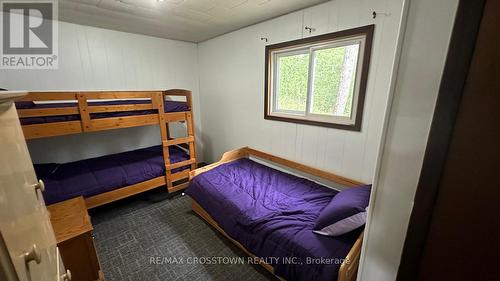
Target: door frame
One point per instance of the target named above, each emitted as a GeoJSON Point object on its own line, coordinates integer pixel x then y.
{"type": "Point", "coordinates": [460, 52]}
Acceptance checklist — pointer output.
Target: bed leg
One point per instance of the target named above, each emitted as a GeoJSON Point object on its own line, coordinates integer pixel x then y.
{"type": "Point", "coordinates": [349, 268]}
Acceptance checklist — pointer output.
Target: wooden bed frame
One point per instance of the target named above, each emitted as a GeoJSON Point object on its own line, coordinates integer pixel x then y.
{"type": "Point", "coordinates": [348, 269]}
{"type": "Point", "coordinates": [87, 124]}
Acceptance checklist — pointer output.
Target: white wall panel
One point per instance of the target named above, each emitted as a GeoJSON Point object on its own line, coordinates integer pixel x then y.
{"type": "Point", "coordinates": [422, 61]}
{"type": "Point", "coordinates": [99, 59]}
{"type": "Point", "coordinates": [232, 83]}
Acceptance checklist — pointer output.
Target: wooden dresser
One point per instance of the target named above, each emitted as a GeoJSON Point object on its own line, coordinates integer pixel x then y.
{"type": "Point", "coordinates": [73, 230]}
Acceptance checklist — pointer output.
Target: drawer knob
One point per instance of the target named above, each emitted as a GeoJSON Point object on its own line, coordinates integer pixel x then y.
{"type": "Point", "coordinates": [66, 276]}
{"type": "Point", "coordinates": [40, 185]}
{"type": "Point", "coordinates": [33, 255]}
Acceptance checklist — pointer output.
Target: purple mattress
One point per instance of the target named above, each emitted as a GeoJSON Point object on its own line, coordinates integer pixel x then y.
{"type": "Point", "coordinates": [272, 214]}
{"type": "Point", "coordinates": [170, 106]}
{"type": "Point", "coordinates": [98, 175]}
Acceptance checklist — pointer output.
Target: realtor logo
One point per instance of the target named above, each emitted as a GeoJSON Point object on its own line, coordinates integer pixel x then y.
{"type": "Point", "coordinates": [29, 34]}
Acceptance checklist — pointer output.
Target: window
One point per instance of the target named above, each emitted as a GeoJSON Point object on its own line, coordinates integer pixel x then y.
{"type": "Point", "coordinates": [319, 80]}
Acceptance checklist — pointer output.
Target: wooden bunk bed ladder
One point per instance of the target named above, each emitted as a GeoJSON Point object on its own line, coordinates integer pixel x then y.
{"type": "Point", "coordinates": [164, 120]}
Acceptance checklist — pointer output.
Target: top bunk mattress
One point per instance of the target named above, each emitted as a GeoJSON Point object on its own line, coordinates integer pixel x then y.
{"type": "Point", "coordinates": [272, 214]}
{"type": "Point", "coordinates": [101, 174]}
{"type": "Point", "coordinates": [170, 106]}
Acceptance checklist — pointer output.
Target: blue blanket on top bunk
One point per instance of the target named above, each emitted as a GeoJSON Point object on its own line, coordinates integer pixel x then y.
{"type": "Point", "coordinates": [98, 175]}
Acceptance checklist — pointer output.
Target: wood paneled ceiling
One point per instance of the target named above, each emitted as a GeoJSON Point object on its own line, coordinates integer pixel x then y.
{"type": "Point", "coordinates": [187, 20]}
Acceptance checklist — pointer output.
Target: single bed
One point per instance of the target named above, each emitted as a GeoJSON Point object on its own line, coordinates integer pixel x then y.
{"type": "Point", "coordinates": [271, 214]}
{"type": "Point", "coordinates": [170, 106]}
{"type": "Point", "coordinates": [94, 176]}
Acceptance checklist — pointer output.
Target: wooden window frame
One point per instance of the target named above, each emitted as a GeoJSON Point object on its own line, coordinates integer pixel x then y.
{"type": "Point", "coordinates": [358, 104]}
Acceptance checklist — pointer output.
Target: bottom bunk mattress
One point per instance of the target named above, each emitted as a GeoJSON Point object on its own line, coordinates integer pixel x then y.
{"type": "Point", "coordinates": [272, 214]}
{"type": "Point", "coordinates": [93, 176]}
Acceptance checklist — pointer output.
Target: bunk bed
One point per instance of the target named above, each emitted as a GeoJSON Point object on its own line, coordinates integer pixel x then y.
{"type": "Point", "coordinates": [49, 114]}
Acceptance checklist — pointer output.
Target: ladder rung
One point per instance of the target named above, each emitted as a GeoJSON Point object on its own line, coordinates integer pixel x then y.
{"type": "Point", "coordinates": [174, 116]}
{"type": "Point", "coordinates": [180, 164]}
{"type": "Point", "coordinates": [180, 175]}
{"type": "Point", "coordinates": [178, 187]}
{"type": "Point", "coordinates": [178, 141]}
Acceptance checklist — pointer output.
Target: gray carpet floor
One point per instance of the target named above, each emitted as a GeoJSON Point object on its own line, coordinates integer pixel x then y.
{"type": "Point", "coordinates": [140, 239]}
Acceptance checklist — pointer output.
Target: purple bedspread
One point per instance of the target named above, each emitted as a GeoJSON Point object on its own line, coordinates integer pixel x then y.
{"type": "Point", "coordinates": [170, 106]}
{"type": "Point", "coordinates": [97, 175]}
{"type": "Point", "coordinates": [272, 214]}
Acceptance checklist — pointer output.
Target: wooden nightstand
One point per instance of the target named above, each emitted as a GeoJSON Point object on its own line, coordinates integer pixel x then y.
{"type": "Point", "coordinates": [73, 230]}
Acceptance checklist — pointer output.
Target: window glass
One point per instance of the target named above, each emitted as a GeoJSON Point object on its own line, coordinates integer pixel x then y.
{"type": "Point", "coordinates": [292, 72]}
{"type": "Point", "coordinates": [333, 80]}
